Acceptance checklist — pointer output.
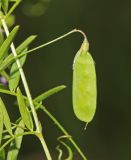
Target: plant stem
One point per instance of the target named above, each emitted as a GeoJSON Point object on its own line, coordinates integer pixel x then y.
{"type": "Point", "coordinates": [40, 106]}
{"type": "Point", "coordinates": [27, 92]}
{"type": "Point", "coordinates": [50, 42]}
{"type": "Point", "coordinates": [39, 135]}
{"type": "Point", "coordinates": [57, 39]}
{"type": "Point", "coordinates": [22, 77]}
{"type": "Point", "coordinates": [42, 140]}
{"type": "Point", "coordinates": [64, 131]}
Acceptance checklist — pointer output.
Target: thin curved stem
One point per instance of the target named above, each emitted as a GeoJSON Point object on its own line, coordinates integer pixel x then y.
{"type": "Point", "coordinates": [57, 39]}
{"type": "Point", "coordinates": [50, 42]}
{"type": "Point", "coordinates": [64, 131]}
{"type": "Point", "coordinates": [81, 32]}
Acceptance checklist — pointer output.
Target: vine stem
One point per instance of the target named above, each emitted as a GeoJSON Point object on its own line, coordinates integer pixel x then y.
{"type": "Point", "coordinates": [27, 92]}
{"type": "Point", "coordinates": [43, 108]}
{"type": "Point", "coordinates": [43, 143]}
{"type": "Point", "coordinates": [23, 78]}
{"type": "Point", "coordinates": [57, 39]}
{"type": "Point", "coordinates": [53, 41]}
{"type": "Point", "coordinates": [63, 130]}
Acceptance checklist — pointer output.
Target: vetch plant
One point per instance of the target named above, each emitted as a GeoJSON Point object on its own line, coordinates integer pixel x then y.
{"type": "Point", "coordinates": [11, 71]}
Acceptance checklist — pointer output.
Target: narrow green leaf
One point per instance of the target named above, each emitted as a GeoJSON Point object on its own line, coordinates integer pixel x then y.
{"type": "Point", "coordinates": [42, 96]}
{"type": "Point", "coordinates": [49, 93]}
{"type": "Point", "coordinates": [5, 5]}
{"type": "Point", "coordinates": [1, 126]}
{"type": "Point", "coordinates": [6, 63]}
{"type": "Point", "coordinates": [10, 58]}
{"type": "Point", "coordinates": [25, 114]}
{"type": "Point", "coordinates": [15, 74]}
{"type": "Point", "coordinates": [13, 7]}
{"type": "Point", "coordinates": [7, 122]}
{"type": "Point", "coordinates": [6, 44]}
{"type": "Point", "coordinates": [16, 144]}
{"type": "Point", "coordinates": [25, 44]}
{"type": "Point", "coordinates": [5, 91]}
{"type": "Point", "coordinates": [2, 154]}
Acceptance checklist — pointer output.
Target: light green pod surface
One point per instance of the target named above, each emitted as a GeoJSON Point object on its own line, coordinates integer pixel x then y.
{"type": "Point", "coordinates": [84, 86]}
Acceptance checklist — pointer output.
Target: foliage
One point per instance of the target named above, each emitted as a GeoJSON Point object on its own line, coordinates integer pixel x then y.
{"type": "Point", "coordinates": [11, 69]}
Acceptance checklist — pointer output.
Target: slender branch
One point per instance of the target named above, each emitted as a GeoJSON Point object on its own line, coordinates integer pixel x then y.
{"type": "Point", "coordinates": [43, 143]}
{"type": "Point", "coordinates": [50, 42]}
{"type": "Point", "coordinates": [23, 78]}
{"type": "Point", "coordinates": [27, 92]}
{"type": "Point", "coordinates": [64, 131]}
{"type": "Point", "coordinates": [57, 39]}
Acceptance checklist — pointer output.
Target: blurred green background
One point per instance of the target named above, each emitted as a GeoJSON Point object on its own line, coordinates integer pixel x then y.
{"type": "Point", "coordinates": [108, 28]}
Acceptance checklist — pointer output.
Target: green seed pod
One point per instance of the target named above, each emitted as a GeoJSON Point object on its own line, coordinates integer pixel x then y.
{"type": "Point", "coordinates": [84, 84]}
